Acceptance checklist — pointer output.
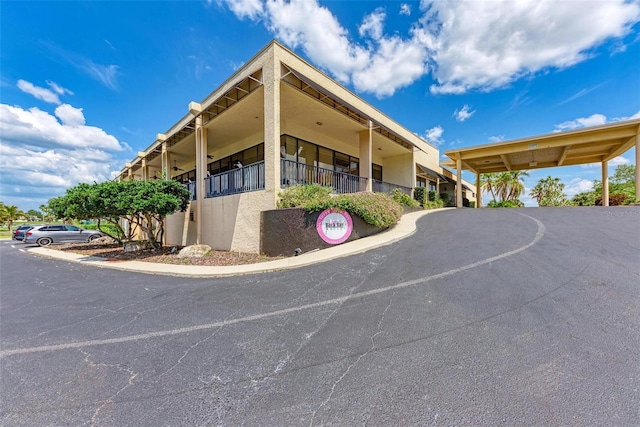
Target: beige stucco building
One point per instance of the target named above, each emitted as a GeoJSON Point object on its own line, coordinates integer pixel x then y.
{"type": "Point", "coordinates": [279, 121]}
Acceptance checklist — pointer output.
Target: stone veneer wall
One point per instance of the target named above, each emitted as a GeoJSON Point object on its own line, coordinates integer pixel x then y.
{"type": "Point", "coordinates": [284, 230]}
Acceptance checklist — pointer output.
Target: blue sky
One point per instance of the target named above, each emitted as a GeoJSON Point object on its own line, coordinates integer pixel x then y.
{"type": "Point", "coordinates": [84, 86]}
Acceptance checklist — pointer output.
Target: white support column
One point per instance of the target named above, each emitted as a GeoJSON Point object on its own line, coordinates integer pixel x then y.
{"type": "Point", "coordinates": [165, 157]}
{"type": "Point", "coordinates": [145, 170]}
{"type": "Point", "coordinates": [366, 161]}
{"type": "Point", "coordinates": [458, 183]}
{"type": "Point", "coordinates": [637, 167]}
{"type": "Point", "coordinates": [605, 183]}
{"type": "Point", "coordinates": [271, 82]}
{"type": "Point", "coordinates": [201, 155]}
{"type": "Point", "coordinates": [478, 191]}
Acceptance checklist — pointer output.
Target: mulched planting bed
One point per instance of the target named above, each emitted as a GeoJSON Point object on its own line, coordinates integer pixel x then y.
{"type": "Point", "coordinates": [114, 252]}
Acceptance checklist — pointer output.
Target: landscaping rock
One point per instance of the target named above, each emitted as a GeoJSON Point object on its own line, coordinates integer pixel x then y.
{"type": "Point", "coordinates": [104, 240]}
{"type": "Point", "coordinates": [136, 245]}
{"type": "Point", "coordinates": [194, 251]}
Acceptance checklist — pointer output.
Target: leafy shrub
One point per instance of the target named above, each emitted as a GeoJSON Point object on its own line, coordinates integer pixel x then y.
{"type": "Point", "coordinates": [403, 198]}
{"type": "Point", "coordinates": [311, 197]}
{"type": "Point", "coordinates": [505, 204]}
{"type": "Point", "coordinates": [107, 228]}
{"type": "Point", "coordinates": [614, 199]}
{"type": "Point", "coordinates": [377, 209]}
{"type": "Point", "coordinates": [420, 194]}
{"type": "Point", "coordinates": [433, 196]}
{"type": "Point", "coordinates": [445, 198]}
{"type": "Point", "coordinates": [435, 204]}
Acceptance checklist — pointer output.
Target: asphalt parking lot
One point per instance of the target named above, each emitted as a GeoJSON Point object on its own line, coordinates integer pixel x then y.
{"type": "Point", "coordinates": [482, 317]}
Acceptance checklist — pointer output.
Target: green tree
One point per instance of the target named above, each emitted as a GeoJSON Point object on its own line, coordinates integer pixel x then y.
{"type": "Point", "coordinates": [10, 214]}
{"type": "Point", "coordinates": [142, 204]}
{"type": "Point", "coordinates": [622, 186]}
{"type": "Point", "coordinates": [33, 215]}
{"type": "Point", "coordinates": [510, 185]}
{"type": "Point", "coordinates": [488, 182]}
{"type": "Point", "coordinates": [549, 192]}
{"type": "Point", "coordinates": [47, 213]}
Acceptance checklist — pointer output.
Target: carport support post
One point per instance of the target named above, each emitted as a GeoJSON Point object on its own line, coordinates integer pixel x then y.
{"type": "Point", "coordinates": [637, 167]}
{"type": "Point", "coordinates": [478, 191]}
{"type": "Point", "coordinates": [201, 155]}
{"type": "Point", "coordinates": [458, 183]}
{"type": "Point", "coordinates": [605, 183]}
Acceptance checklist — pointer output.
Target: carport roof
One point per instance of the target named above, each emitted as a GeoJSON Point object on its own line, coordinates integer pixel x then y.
{"type": "Point", "coordinates": [589, 145]}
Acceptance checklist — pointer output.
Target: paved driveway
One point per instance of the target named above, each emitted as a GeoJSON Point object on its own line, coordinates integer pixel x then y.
{"type": "Point", "coordinates": [482, 317]}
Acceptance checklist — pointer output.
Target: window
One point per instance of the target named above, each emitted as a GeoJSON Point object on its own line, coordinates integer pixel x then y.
{"type": "Point", "coordinates": [421, 181]}
{"type": "Point", "coordinates": [376, 171]}
{"type": "Point", "coordinates": [72, 228]}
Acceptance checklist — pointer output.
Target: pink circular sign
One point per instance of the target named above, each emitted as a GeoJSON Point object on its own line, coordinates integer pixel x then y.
{"type": "Point", "coordinates": [334, 226]}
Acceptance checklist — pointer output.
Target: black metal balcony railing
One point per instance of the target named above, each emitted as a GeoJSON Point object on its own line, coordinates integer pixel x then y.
{"type": "Point", "coordinates": [294, 173]}
{"type": "Point", "coordinates": [386, 187]}
{"type": "Point", "coordinates": [191, 186]}
{"type": "Point", "coordinates": [251, 178]}
{"type": "Point", "coordinates": [241, 180]}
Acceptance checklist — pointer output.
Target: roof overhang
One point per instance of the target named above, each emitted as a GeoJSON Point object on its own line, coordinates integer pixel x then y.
{"type": "Point", "coordinates": [425, 171]}
{"type": "Point", "coordinates": [589, 145]}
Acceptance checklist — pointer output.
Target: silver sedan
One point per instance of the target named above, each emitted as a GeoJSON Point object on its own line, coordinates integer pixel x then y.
{"type": "Point", "coordinates": [44, 235]}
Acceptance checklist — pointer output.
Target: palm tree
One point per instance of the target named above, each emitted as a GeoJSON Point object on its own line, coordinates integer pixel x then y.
{"type": "Point", "coordinates": [549, 192]}
{"type": "Point", "coordinates": [10, 214]}
{"type": "Point", "coordinates": [488, 183]}
{"type": "Point", "coordinates": [516, 187]}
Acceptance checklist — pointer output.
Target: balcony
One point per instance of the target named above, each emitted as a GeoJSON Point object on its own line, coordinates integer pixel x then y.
{"type": "Point", "coordinates": [241, 180]}
{"type": "Point", "coordinates": [294, 173]}
{"type": "Point", "coordinates": [251, 178]}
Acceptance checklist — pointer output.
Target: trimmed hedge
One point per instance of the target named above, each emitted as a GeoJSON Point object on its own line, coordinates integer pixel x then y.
{"type": "Point", "coordinates": [377, 209]}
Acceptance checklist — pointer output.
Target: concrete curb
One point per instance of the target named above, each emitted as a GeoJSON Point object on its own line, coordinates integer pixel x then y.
{"type": "Point", "coordinates": [404, 228]}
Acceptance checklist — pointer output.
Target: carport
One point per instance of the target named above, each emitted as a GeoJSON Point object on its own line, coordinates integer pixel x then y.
{"type": "Point", "coordinates": [597, 144]}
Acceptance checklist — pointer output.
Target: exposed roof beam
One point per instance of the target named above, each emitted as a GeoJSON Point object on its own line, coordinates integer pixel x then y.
{"type": "Point", "coordinates": [505, 160]}
{"type": "Point", "coordinates": [621, 149]}
{"type": "Point", "coordinates": [563, 156]}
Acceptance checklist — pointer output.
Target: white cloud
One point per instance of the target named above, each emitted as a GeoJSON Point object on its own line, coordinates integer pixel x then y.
{"type": "Point", "coordinates": [251, 9]}
{"type": "Point", "coordinates": [58, 89]}
{"type": "Point", "coordinates": [616, 161]}
{"type": "Point", "coordinates": [38, 92]}
{"type": "Point", "coordinates": [70, 116]}
{"type": "Point", "coordinates": [434, 136]}
{"type": "Point", "coordinates": [43, 154]}
{"type": "Point", "coordinates": [465, 45]}
{"type": "Point", "coordinates": [463, 114]}
{"type": "Point", "coordinates": [373, 24]}
{"type": "Point", "coordinates": [592, 120]}
{"type": "Point", "coordinates": [631, 117]}
{"type": "Point", "coordinates": [35, 127]}
{"type": "Point", "coordinates": [105, 74]}
{"type": "Point", "coordinates": [313, 27]}
{"type": "Point", "coordinates": [496, 138]}
{"type": "Point", "coordinates": [405, 9]}
{"type": "Point", "coordinates": [487, 45]}
{"type": "Point", "coordinates": [577, 185]}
